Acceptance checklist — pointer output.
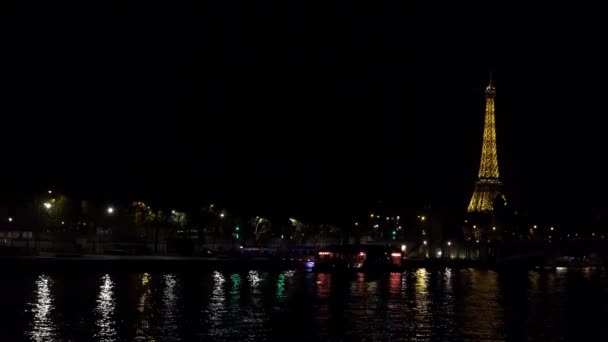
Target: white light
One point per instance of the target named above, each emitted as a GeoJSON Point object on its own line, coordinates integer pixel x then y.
{"type": "Point", "coordinates": [47, 205]}
{"type": "Point", "coordinates": [551, 228]}
{"type": "Point", "coordinates": [449, 243]}
{"type": "Point", "coordinates": [356, 223]}
{"type": "Point", "coordinates": [398, 218]}
{"type": "Point", "coordinates": [222, 215]}
{"type": "Point", "coordinates": [474, 227]}
{"type": "Point", "coordinates": [493, 228]}
{"type": "Point", "coordinates": [110, 210]}
{"type": "Point", "coordinates": [535, 226]}
{"type": "Point", "coordinates": [62, 222]}
{"type": "Point", "coordinates": [439, 253]}
{"type": "Point", "coordinates": [172, 211]}
{"type": "Point", "coordinates": [50, 191]}
{"type": "Point", "coordinates": [10, 219]}
{"type": "Point", "coordinates": [424, 242]}
{"type": "Point", "coordinates": [403, 247]}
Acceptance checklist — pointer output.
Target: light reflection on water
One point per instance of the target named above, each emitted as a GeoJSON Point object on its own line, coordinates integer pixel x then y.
{"type": "Point", "coordinates": [105, 311]}
{"type": "Point", "coordinates": [144, 308]}
{"type": "Point", "coordinates": [411, 305]}
{"type": "Point", "coordinates": [42, 325]}
{"type": "Point", "coordinates": [169, 326]}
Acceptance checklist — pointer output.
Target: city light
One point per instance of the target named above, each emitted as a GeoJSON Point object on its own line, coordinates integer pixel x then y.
{"type": "Point", "coordinates": [50, 191]}
{"type": "Point", "coordinates": [371, 215]}
{"type": "Point", "coordinates": [422, 218]}
{"type": "Point", "coordinates": [324, 253]}
{"type": "Point", "coordinates": [552, 228]}
{"type": "Point", "coordinates": [535, 226]}
{"type": "Point", "coordinates": [439, 254]}
{"type": "Point", "coordinates": [396, 255]}
{"type": "Point", "coordinates": [403, 247]}
{"type": "Point", "coordinates": [356, 223]}
{"type": "Point", "coordinates": [110, 210]}
{"type": "Point", "coordinates": [172, 211]}
{"type": "Point", "coordinates": [425, 242]}
{"type": "Point", "coordinates": [222, 215]}
{"type": "Point", "coordinates": [449, 243]}
{"type": "Point", "coordinates": [493, 228]}
{"type": "Point", "coordinates": [47, 205]}
{"type": "Point", "coordinates": [10, 219]}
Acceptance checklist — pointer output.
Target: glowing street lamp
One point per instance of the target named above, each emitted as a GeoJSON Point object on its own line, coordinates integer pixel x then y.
{"type": "Point", "coordinates": [47, 205]}
{"type": "Point", "coordinates": [425, 242]}
{"type": "Point", "coordinates": [110, 210]}
{"type": "Point", "coordinates": [422, 218]}
{"type": "Point", "coordinates": [222, 215]}
{"type": "Point", "coordinates": [10, 219]}
{"type": "Point", "coordinates": [50, 192]}
{"type": "Point", "coordinates": [449, 243]}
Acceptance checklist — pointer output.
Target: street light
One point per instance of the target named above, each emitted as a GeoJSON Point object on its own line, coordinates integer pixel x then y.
{"type": "Point", "coordinates": [10, 219]}
{"type": "Point", "coordinates": [47, 205]}
{"type": "Point", "coordinates": [50, 191]}
{"type": "Point", "coordinates": [110, 210]}
{"type": "Point", "coordinates": [422, 218]}
{"type": "Point", "coordinates": [449, 243]}
{"type": "Point", "coordinates": [424, 242]}
{"type": "Point", "coordinates": [222, 215]}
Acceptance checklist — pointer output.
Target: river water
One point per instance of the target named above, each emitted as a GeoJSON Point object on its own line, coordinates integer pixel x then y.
{"type": "Point", "coordinates": [414, 305]}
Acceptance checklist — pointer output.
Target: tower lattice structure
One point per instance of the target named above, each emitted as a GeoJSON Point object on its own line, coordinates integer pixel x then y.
{"type": "Point", "coordinates": [488, 184]}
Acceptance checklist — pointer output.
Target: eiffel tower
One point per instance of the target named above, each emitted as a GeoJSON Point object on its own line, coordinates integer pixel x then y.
{"type": "Point", "coordinates": [488, 185]}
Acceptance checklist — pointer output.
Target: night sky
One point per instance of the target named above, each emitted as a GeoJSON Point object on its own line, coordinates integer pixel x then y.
{"type": "Point", "coordinates": [301, 106]}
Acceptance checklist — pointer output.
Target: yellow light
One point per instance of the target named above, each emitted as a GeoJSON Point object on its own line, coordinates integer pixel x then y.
{"type": "Point", "coordinates": [493, 228]}
{"type": "Point", "coordinates": [403, 247]}
{"type": "Point", "coordinates": [422, 218]}
{"type": "Point", "coordinates": [371, 215]}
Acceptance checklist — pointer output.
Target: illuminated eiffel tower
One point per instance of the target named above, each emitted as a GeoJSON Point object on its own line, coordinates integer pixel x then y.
{"type": "Point", "coordinates": [488, 184]}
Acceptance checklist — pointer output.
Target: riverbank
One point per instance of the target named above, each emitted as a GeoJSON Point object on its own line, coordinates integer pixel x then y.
{"type": "Point", "coordinates": [145, 263]}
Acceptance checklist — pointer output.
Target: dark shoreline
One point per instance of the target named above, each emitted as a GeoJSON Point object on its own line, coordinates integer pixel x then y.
{"type": "Point", "coordinates": [98, 263]}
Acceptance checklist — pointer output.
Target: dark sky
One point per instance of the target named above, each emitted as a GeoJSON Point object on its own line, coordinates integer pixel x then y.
{"type": "Point", "coordinates": [299, 105]}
